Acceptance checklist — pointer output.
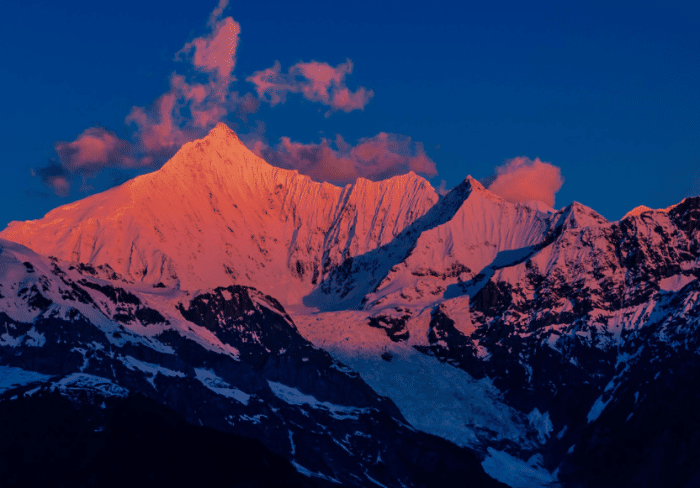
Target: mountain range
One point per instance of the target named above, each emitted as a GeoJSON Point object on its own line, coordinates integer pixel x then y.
{"type": "Point", "coordinates": [377, 334]}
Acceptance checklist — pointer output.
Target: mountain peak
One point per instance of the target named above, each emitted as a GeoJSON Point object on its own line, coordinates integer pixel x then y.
{"type": "Point", "coordinates": [219, 149]}
{"type": "Point", "coordinates": [221, 131]}
{"type": "Point", "coordinates": [474, 183]}
{"type": "Point", "coordinates": [637, 211]}
{"type": "Point", "coordinates": [220, 137]}
{"type": "Point", "coordinates": [216, 213]}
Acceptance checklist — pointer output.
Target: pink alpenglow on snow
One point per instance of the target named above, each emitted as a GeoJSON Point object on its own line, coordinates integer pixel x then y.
{"type": "Point", "coordinates": [375, 158]}
{"type": "Point", "coordinates": [522, 179]}
{"type": "Point", "coordinates": [240, 206]}
{"type": "Point", "coordinates": [318, 82]}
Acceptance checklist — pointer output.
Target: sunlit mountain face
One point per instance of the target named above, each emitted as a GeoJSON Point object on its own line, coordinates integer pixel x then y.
{"type": "Point", "coordinates": [377, 334]}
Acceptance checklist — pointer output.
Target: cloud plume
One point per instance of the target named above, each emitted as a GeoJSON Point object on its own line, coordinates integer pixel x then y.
{"type": "Point", "coordinates": [318, 82]}
{"type": "Point", "coordinates": [189, 108]}
{"type": "Point", "coordinates": [94, 149]}
{"type": "Point", "coordinates": [216, 52]}
{"type": "Point", "coordinates": [522, 179]}
{"type": "Point", "coordinates": [336, 161]}
{"type": "Point", "coordinates": [55, 177]}
{"type": "Point", "coordinates": [216, 13]}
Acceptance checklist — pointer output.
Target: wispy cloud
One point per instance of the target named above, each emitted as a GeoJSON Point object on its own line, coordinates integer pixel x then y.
{"type": "Point", "coordinates": [55, 177]}
{"type": "Point", "coordinates": [94, 149]}
{"type": "Point", "coordinates": [189, 108]}
{"type": "Point", "coordinates": [215, 52]}
{"type": "Point", "coordinates": [318, 82]}
{"type": "Point", "coordinates": [215, 15]}
{"type": "Point", "coordinates": [336, 161]}
{"type": "Point", "coordinates": [522, 179]}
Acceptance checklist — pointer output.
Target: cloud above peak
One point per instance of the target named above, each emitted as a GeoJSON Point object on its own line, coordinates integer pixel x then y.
{"type": "Point", "coordinates": [216, 52]}
{"type": "Point", "coordinates": [190, 108]}
{"type": "Point", "coordinates": [336, 161]}
{"type": "Point", "coordinates": [55, 177]}
{"type": "Point", "coordinates": [317, 82]}
{"type": "Point", "coordinates": [522, 179]}
{"type": "Point", "coordinates": [202, 92]}
{"type": "Point", "coordinates": [94, 149]}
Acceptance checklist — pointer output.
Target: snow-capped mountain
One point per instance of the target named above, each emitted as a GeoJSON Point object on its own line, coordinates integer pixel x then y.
{"type": "Point", "coordinates": [546, 341]}
{"type": "Point", "coordinates": [216, 213]}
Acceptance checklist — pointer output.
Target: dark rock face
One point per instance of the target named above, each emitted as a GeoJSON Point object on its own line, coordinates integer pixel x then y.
{"type": "Point", "coordinates": [49, 440]}
{"type": "Point", "coordinates": [450, 345]}
{"type": "Point", "coordinates": [395, 327]}
{"type": "Point", "coordinates": [647, 432]}
{"type": "Point", "coordinates": [492, 298]}
{"type": "Point", "coordinates": [111, 365]}
{"type": "Point", "coordinates": [267, 339]}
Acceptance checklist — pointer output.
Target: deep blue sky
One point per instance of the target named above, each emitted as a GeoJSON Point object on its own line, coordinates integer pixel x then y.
{"type": "Point", "coordinates": [609, 92]}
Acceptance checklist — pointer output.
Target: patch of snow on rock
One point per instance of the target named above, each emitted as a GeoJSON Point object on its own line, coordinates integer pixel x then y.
{"type": "Point", "coordinates": [219, 386]}
{"type": "Point", "coordinates": [12, 377]}
{"type": "Point", "coordinates": [517, 473]}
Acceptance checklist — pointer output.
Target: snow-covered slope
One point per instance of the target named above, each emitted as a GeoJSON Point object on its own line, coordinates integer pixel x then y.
{"type": "Point", "coordinates": [217, 214]}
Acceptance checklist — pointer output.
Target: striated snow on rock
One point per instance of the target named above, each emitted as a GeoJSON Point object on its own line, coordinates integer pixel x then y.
{"type": "Point", "coordinates": [216, 214]}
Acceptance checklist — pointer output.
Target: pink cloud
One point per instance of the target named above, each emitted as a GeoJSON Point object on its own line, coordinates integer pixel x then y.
{"type": "Point", "coordinates": [184, 113]}
{"type": "Point", "coordinates": [386, 155]}
{"type": "Point", "coordinates": [246, 104]}
{"type": "Point", "coordinates": [55, 177]}
{"type": "Point", "coordinates": [216, 52]}
{"type": "Point", "coordinates": [91, 152]}
{"type": "Point", "coordinates": [320, 77]}
{"type": "Point", "coordinates": [196, 92]}
{"type": "Point", "coordinates": [522, 179]}
{"type": "Point", "coordinates": [188, 109]}
{"type": "Point", "coordinates": [94, 149]}
{"type": "Point", "coordinates": [60, 185]}
{"type": "Point", "coordinates": [157, 130]}
{"type": "Point", "coordinates": [375, 158]}
{"type": "Point", "coordinates": [271, 85]}
{"type": "Point", "coordinates": [318, 82]}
